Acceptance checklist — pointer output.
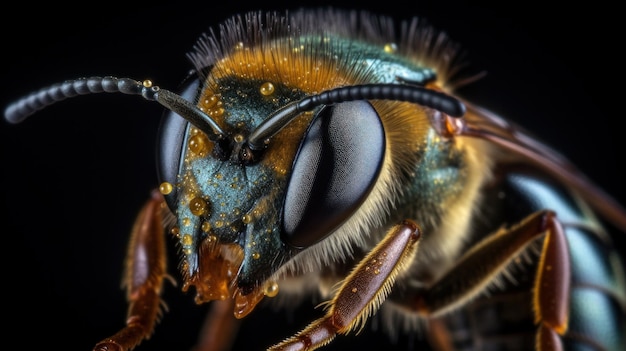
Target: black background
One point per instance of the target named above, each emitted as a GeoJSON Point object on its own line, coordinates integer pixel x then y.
{"type": "Point", "coordinates": [74, 175]}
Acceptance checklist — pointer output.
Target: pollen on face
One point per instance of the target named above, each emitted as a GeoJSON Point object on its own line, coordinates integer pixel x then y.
{"type": "Point", "coordinates": [206, 227]}
{"type": "Point", "coordinates": [166, 188]}
{"type": "Point", "coordinates": [267, 89]}
{"type": "Point", "coordinates": [175, 231]}
{"type": "Point", "coordinates": [246, 219]}
{"type": "Point", "coordinates": [390, 48]}
{"type": "Point", "coordinates": [271, 289]}
{"type": "Point", "coordinates": [199, 144]}
{"type": "Point", "coordinates": [198, 206]}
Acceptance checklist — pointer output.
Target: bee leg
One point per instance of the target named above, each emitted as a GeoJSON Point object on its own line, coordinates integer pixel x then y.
{"type": "Point", "coordinates": [220, 327]}
{"type": "Point", "coordinates": [143, 279]}
{"type": "Point", "coordinates": [362, 292]}
{"type": "Point", "coordinates": [490, 257]}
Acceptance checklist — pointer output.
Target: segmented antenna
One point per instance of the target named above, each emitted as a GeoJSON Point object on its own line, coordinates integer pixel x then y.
{"type": "Point", "coordinates": [21, 109]}
{"type": "Point", "coordinates": [398, 92]}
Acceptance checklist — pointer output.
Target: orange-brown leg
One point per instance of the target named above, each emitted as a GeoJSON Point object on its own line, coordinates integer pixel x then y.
{"type": "Point", "coordinates": [220, 327]}
{"type": "Point", "coordinates": [143, 278]}
{"type": "Point", "coordinates": [362, 292]}
{"type": "Point", "coordinates": [479, 266]}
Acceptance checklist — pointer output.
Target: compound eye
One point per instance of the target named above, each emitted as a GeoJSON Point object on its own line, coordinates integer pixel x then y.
{"type": "Point", "coordinates": [335, 169]}
{"type": "Point", "coordinates": [170, 141]}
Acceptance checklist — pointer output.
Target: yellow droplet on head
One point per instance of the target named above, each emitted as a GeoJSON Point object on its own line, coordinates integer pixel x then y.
{"type": "Point", "coordinates": [165, 188]}
{"type": "Point", "coordinates": [271, 289]}
{"type": "Point", "coordinates": [267, 89]}
{"type": "Point", "coordinates": [175, 231]}
{"type": "Point", "coordinates": [199, 144]}
{"type": "Point", "coordinates": [206, 227]}
{"type": "Point", "coordinates": [198, 206]}
{"type": "Point", "coordinates": [246, 219]}
{"type": "Point", "coordinates": [238, 138]}
{"type": "Point", "coordinates": [390, 48]}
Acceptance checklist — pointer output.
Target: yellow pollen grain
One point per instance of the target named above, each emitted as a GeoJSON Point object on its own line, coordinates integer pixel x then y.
{"type": "Point", "coordinates": [256, 255]}
{"type": "Point", "coordinates": [246, 219]}
{"type": "Point", "coordinates": [206, 227]}
{"type": "Point", "coordinates": [186, 221]}
{"type": "Point", "coordinates": [175, 231]}
{"type": "Point", "coordinates": [165, 188]}
{"type": "Point", "coordinates": [147, 83]}
{"type": "Point", "coordinates": [219, 224]}
{"type": "Point", "coordinates": [271, 289]}
{"type": "Point", "coordinates": [390, 48]}
{"type": "Point", "coordinates": [198, 206]}
{"type": "Point", "coordinates": [187, 239]}
{"type": "Point", "coordinates": [354, 290]}
{"type": "Point", "coordinates": [267, 89]}
{"type": "Point", "coordinates": [199, 144]}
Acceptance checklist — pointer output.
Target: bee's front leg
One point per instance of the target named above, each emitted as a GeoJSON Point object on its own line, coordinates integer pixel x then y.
{"type": "Point", "coordinates": [362, 292]}
{"type": "Point", "coordinates": [143, 278]}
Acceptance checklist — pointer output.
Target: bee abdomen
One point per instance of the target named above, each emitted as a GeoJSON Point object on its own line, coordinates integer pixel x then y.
{"type": "Point", "coordinates": [598, 297]}
{"type": "Point", "coordinates": [504, 320]}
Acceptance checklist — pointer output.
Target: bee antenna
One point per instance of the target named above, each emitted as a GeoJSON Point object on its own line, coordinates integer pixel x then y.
{"type": "Point", "coordinates": [28, 105]}
{"type": "Point", "coordinates": [398, 92]}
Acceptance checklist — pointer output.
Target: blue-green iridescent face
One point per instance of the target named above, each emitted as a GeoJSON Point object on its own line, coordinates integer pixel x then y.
{"type": "Point", "coordinates": [226, 202]}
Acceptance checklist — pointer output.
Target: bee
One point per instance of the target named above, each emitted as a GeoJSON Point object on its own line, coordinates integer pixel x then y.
{"type": "Point", "coordinates": [315, 153]}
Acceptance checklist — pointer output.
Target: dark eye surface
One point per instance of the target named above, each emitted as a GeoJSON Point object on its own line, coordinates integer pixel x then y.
{"type": "Point", "coordinates": [336, 167]}
{"type": "Point", "coordinates": [170, 140]}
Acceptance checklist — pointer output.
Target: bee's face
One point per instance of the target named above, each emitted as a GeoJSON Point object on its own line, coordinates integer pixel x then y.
{"type": "Point", "coordinates": [226, 207]}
